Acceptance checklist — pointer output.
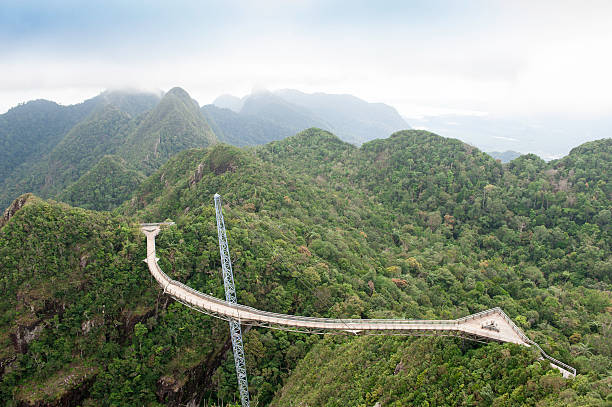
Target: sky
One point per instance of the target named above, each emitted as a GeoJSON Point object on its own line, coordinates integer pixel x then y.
{"type": "Point", "coordinates": [422, 57]}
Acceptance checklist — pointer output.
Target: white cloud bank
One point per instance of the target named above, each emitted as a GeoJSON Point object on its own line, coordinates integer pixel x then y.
{"type": "Point", "coordinates": [548, 58]}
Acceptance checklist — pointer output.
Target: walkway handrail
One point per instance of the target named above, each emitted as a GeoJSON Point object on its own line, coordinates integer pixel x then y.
{"type": "Point", "coordinates": [553, 360]}
{"type": "Point", "coordinates": [242, 307]}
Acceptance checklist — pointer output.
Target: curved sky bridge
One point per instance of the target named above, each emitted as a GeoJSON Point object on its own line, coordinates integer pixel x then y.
{"type": "Point", "coordinates": [485, 326]}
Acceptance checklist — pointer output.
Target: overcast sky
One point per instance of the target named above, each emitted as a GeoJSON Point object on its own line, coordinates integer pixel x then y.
{"type": "Point", "coordinates": [429, 57]}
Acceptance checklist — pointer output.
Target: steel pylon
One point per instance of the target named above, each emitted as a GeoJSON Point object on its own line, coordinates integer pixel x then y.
{"type": "Point", "coordinates": [230, 296]}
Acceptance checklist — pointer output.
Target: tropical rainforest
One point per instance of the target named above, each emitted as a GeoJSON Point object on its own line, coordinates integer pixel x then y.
{"type": "Point", "coordinates": [412, 226]}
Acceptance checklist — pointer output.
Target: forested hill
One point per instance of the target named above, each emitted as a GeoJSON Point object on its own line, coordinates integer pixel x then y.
{"type": "Point", "coordinates": [413, 226]}
{"type": "Point", "coordinates": [175, 124]}
{"type": "Point", "coordinates": [105, 186]}
{"type": "Point", "coordinates": [138, 128]}
{"type": "Point", "coordinates": [30, 130]}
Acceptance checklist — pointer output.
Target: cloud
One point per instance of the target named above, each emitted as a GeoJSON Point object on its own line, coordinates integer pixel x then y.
{"type": "Point", "coordinates": [505, 138]}
{"type": "Point", "coordinates": [513, 57]}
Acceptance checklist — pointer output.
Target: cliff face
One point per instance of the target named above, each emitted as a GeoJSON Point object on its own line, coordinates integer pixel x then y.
{"type": "Point", "coordinates": [191, 387]}
{"type": "Point", "coordinates": [14, 207]}
{"type": "Point", "coordinates": [70, 387]}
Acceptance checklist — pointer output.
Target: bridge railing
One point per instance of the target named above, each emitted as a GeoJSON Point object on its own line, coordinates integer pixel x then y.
{"type": "Point", "coordinates": [256, 311]}
{"type": "Point", "coordinates": [553, 360]}
{"type": "Point", "coordinates": [510, 322]}
{"type": "Point", "coordinates": [157, 224]}
{"type": "Point", "coordinates": [164, 275]}
{"type": "Point", "coordinates": [499, 311]}
{"type": "Point", "coordinates": [478, 315]}
{"type": "Point", "coordinates": [189, 289]}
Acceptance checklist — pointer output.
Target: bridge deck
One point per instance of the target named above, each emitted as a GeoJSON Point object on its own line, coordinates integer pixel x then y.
{"type": "Point", "coordinates": [473, 326]}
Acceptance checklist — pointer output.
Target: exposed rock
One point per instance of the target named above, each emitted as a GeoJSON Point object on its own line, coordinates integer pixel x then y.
{"type": "Point", "coordinates": [77, 389]}
{"type": "Point", "coordinates": [14, 207]}
{"type": "Point", "coordinates": [197, 176]}
{"type": "Point", "coordinates": [88, 325]}
{"type": "Point", "coordinates": [23, 335]}
{"type": "Point", "coordinates": [189, 391]}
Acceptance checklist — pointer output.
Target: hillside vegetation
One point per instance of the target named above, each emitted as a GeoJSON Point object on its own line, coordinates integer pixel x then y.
{"type": "Point", "coordinates": [414, 226]}
{"type": "Point", "coordinates": [105, 186]}
{"type": "Point", "coordinates": [141, 129]}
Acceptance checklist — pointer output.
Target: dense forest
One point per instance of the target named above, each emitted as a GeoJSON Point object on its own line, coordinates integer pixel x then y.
{"type": "Point", "coordinates": [412, 226]}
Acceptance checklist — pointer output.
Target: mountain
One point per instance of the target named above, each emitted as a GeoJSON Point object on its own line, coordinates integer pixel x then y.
{"type": "Point", "coordinates": [42, 147]}
{"type": "Point", "coordinates": [272, 107]}
{"type": "Point", "coordinates": [350, 118]}
{"type": "Point", "coordinates": [412, 226]}
{"type": "Point", "coordinates": [139, 128]}
{"type": "Point", "coordinates": [175, 124]}
{"type": "Point", "coordinates": [100, 133]}
{"type": "Point", "coordinates": [103, 187]}
{"type": "Point", "coordinates": [505, 156]}
{"type": "Point", "coordinates": [47, 147]}
{"type": "Point", "coordinates": [230, 102]}
{"type": "Point", "coordinates": [30, 130]}
{"type": "Point", "coordinates": [242, 129]}
{"type": "Point", "coordinates": [103, 132]}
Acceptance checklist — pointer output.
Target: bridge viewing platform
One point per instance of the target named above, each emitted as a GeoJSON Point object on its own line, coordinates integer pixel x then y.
{"type": "Point", "coordinates": [485, 326]}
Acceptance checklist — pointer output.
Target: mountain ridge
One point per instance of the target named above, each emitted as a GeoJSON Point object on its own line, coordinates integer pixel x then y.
{"type": "Point", "coordinates": [352, 119]}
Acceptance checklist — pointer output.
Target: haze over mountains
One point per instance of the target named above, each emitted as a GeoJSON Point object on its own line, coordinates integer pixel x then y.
{"type": "Point", "coordinates": [46, 147]}
{"type": "Point", "coordinates": [350, 118]}
{"type": "Point", "coordinates": [548, 136]}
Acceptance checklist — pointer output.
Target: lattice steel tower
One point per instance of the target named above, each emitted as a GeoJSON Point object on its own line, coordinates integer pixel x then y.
{"type": "Point", "coordinates": [230, 296]}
